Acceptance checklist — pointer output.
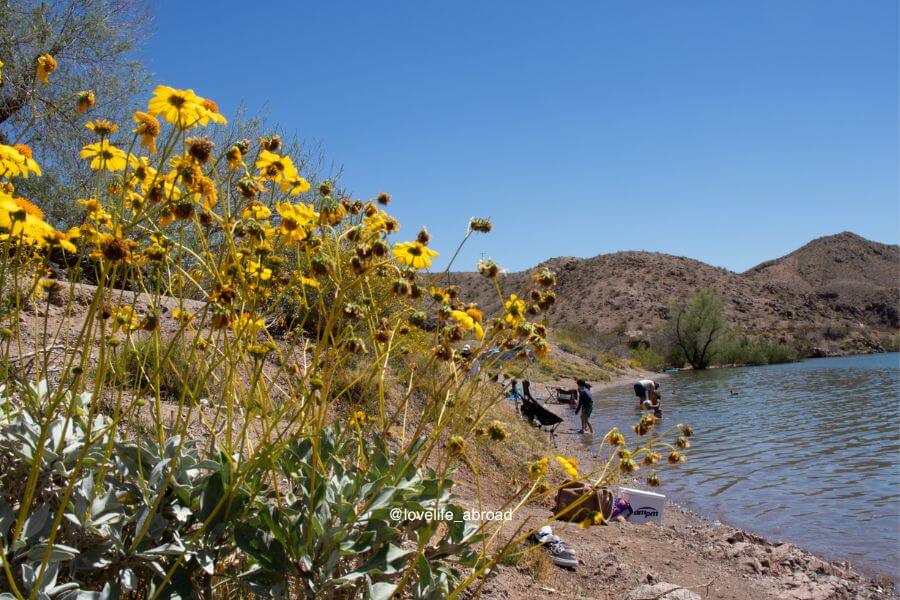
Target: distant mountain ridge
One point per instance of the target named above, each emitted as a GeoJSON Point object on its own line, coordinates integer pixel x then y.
{"type": "Point", "coordinates": [837, 281]}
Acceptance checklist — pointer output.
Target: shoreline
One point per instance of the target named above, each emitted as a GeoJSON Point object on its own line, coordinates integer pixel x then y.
{"type": "Point", "coordinates": [583, 453]}
{"type": "Point", "coordinates": [700, 554]}
{"type": "Point", "coordinates": [676, 370]}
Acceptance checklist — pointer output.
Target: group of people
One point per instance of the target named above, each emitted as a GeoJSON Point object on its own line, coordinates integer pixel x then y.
{"type": "Point", "coordinates": [647, 391]}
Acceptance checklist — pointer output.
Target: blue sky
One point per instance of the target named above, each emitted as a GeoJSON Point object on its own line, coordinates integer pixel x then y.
{"type": "Point", "coordinates": [731, 132]}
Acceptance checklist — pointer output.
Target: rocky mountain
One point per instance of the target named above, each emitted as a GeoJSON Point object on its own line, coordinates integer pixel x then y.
{"type": "Point", "coordinates": [832, 287]}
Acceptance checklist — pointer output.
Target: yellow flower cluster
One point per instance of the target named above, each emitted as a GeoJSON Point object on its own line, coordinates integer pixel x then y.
{"type": "Point", "coordinates": [16, 161]}
{"type": "Point", "coordinates": [470, 320]}
{"type": "Point", "coordinates": [22, 221]}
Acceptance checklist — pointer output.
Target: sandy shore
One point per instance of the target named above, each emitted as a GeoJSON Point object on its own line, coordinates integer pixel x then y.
{"type": "Point", "coordinates": [697, 556]}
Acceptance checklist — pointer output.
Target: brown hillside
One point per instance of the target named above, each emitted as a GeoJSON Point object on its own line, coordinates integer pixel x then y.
{"type": "Point", "coordinates": [849, 273]}
{"type": "Point", "coordinates": [843, 282]}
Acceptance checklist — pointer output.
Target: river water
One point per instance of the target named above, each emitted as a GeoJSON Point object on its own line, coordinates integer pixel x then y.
{"type": "Point", "coordinates": [807, 453]}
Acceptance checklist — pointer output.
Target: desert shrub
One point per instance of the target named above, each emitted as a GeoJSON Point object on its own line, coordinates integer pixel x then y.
{"type": "Point", "coordinates": [648, 358]}
{"type": "Point", "coordinates": [739, 349]}
{"type": "Point", "coordinates": [836, 331]}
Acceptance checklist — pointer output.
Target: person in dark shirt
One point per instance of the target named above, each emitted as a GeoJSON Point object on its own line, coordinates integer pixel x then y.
{"type": "Point", "coordinates": [514, 393]}
{"type": "Point", "coordinates": [526, 391]}
{"type": "Point", "coordinates": [585, 405]}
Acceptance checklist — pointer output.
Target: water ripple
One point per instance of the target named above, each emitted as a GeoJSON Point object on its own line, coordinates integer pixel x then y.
{"type": "Point", "coordinates": [806, 452]}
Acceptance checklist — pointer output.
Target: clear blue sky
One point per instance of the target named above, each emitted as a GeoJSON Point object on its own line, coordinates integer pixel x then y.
{"type": "Point", "coordinates": [728, 131]}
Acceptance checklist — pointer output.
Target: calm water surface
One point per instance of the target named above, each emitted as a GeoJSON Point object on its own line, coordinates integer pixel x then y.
{"type": "Point", "coordinates": [807, 453]}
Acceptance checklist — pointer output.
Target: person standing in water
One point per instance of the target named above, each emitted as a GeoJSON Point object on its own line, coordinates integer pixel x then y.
{"type": "Point", "coordinates": [585, 405]}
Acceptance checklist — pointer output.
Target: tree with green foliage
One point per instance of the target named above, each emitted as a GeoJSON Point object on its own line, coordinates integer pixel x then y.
{"type": "Point", "coordinates": [93, 44]}
{"type": "Point", "coordinates": [694, 327]}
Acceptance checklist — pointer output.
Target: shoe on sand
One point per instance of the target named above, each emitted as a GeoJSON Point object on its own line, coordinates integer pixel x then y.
{"type": "Point", "coordinates": [561, 553]}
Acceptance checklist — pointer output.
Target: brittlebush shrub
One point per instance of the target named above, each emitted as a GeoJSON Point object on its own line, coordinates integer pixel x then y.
{"type": "Point", "coordinates": [225, 412]}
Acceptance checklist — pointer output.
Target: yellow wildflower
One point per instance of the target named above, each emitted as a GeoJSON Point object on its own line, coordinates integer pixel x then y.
{"type": "Point", "coordinates": [206, 187]}
{"type": "Point", "coordinates": [115, 248]}
{"type": "Point", "coordinates": [248, 324]}
{"type": "Point", "coordinates": [515, 310]}
{"type": "Point", "coordinates": [234, 156]}
{"type": "Point", "coordinates": [276, 167]}
{"type": "Point", "coordinates": [256, 210]}
{"type": "Point", "coordinates": [63, 241]}
{"type": "Point", "coordinates": [183, 108]}
{"type": "Point", "coordinates": [124, 319]}
{"type": "Point", "coordinates": [96, 212]}
{"type": "Point", "coordinates": [46, 64]}
{"type": "Point", "coordinates": [148, 129]}
{"type": "Point", "coordinates": [17, 222]}
{"type": "Point", "coordinates": [615, 437]}
{"type": "Point", "coordinates": [538, 469]}
{"type": "Point", "coordinates": [258, 271]}
{"type": "Point", "coordinates": [104, 155]}
{"type": "Point", "coordinates": [594, 517]}
{"type": "Point", "coordinates": [294, 185]}
{"type": "Point", "coordinates": [141, 172]}
{"type": "Point", "coordinates": [468, 323]}
{"type": "Point", "coordinates": [211, 113]}
{"type": "Point", "coordinates": [102, 127]}
{"type": "Point", "coordinates": [294, 219]}
{"type": "Point", "coordinates": [182, 316]}
{"type": "Point", "coordinates": [569, 465]}
{"type": "Point", "coordinates": [29, 207]}
{"type": "Point", "coordinates": [438, 294]}
{"type": "Point", "coordinates": [414, 254]}
{"type": "Point", "coordinates": [16, 161]}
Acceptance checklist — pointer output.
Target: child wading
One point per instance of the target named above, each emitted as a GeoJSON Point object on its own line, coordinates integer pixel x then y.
{"type": "Point", "coordinates": [585, 405]}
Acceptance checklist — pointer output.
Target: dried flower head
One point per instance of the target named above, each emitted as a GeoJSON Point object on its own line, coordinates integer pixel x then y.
{"type": "Point", "coordinates": [615, 437]}
{"type": "Point", "coordinates": [200, 148]}
{"type": "Point", "coordinates": [480, 225]}
{"type": "Point", "coordinates": [488, 268]}
{"type": "Point", "coordinates": [497, 431]}
{"type": "Point", "coordinates": [456, 444]}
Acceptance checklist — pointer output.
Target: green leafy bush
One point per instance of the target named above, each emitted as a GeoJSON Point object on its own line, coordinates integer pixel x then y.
{"type": "Point", "coordinates": [135, 517]}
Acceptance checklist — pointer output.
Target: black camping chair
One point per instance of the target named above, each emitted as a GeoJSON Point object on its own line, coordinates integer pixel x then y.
{"type": "Point", "coordinates": [533, 411]}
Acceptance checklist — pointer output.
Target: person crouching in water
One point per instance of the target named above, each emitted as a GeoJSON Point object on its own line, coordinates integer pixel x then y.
{"type": "Point", "coordinates": [644, 389]}
{"type": "Point", "coordinates": [652, 403]}
{"type": "Point", "coordinates": [585, 405]}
